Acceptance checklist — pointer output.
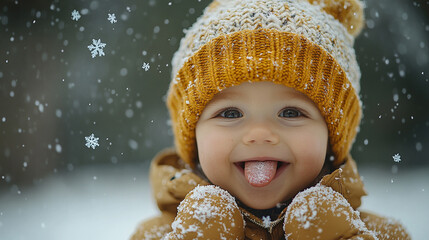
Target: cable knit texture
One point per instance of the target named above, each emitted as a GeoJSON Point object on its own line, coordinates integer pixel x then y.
{"type": "Point", "coordinates": [295, 43]}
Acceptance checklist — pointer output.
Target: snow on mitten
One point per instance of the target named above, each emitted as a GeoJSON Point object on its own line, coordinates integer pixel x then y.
{"type": "Point", "coordinates": [322, 213]}
{"type": "Point", "coordinates": [183, 182]}
{"type": "Point", "coordinates": [207, 212]}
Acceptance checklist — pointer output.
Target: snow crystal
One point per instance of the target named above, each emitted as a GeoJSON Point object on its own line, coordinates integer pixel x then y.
{"type": "Point", "coordinates": [402, 72]}
{"type": "Point", "coordinates": [129, 113]}
{"type": "Point", "coordinates": [370, 23]}
{"type": "Point", "coordinates": [266, 220]}
{"type": "Point", "coordinates": [133, 144]}
{"type": "Point", "coordinates": [58, 113]}
{"type": "Point", "coordinates": [111, 18]}
{"type": "Point", "coordinates": [123, 72]}
{"type": "Point", "coordinates": [139, 104]}
{"type": "Point", "coordinates": [91, 141]}
{"type": "Point", "coordinates": [75, 15]}
{"type": "Point", "coordinates": [386, 61]}
{"type": "Point", "coordinates": [84, 11]}
{"type": "Point", "coordinates": [146, 66]}
{"type": "Point", "coordinates": [58, 148]}
{"type": "Point", "coordinates": [96, 48]}
{"type": "Point", "coordinates": [40, 106]}
{"type": "Point", "coordinates": [419, 146]}
{"type": "Point", "coordinates": [129, 31]}
{"type": "Point", "coordinates": [396, 158]}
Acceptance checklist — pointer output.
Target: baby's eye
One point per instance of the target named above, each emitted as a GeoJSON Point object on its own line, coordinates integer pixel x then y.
{"type": "Point", "coordinates": [290, 113]}
{"type": "Point", "coordinates": [230, 113]}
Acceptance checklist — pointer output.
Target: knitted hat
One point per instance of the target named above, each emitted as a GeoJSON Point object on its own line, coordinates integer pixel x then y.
{"type": "Point", "coordinates": [303, 44]}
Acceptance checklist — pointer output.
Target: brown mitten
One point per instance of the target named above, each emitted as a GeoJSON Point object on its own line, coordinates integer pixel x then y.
{"type": "Point", "coordinates": [208, 212]}
{"type": "Point", "coordinates": [322, 213]}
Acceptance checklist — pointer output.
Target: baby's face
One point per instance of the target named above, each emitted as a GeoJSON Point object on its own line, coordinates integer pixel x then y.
{"type": "Point", "coordinates": [262, 142]}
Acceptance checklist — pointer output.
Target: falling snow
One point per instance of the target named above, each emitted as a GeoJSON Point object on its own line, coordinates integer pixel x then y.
{"type": "Point", "coordinates": [96, 48]}
{"type": "Point", "coordinates": [266, 221]}
{"type": "Point", "coordinates": [396, 158]}
{"type": "Point", "coordinates": [75, 15]}
{"type": "Point", "coordinates": [419, 146]}
{"type": "Point", "coordinates": [146, 66]}
{"type": "Point", "coordinates": [91, 141]}
{"type": "Point", "coordinates": [111, 18]}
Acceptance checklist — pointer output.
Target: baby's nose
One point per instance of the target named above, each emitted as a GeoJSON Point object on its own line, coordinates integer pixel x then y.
{"type": "Point", "coordinates": [260, 134]}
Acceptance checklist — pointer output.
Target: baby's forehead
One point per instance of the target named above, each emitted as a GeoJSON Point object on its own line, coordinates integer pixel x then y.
{"type": "Point", "coordinates": [247, 90]}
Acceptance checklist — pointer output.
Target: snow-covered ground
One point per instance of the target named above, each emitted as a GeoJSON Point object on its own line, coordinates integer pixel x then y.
{"type": "Point", "coordinates": [107, 203]}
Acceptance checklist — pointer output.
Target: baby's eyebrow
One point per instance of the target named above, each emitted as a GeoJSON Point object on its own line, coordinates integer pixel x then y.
{"type": "Point", "coordinates": [223, 97]}
{"type": "Point", "coordinates": [214, 103]}
{"type": "Point", "coordinates": [300, 97]}
{"type": "Point", "coordinates": [228, 95]}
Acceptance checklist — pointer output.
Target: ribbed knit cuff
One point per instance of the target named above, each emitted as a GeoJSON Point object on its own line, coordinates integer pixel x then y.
{"type": "Point", "coordinates": [263, 55]}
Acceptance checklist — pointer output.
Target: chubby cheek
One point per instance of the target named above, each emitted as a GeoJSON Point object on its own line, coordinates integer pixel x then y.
{"type": "Point", "coordinates": [311, 152]}
{"type": "Point", "coordinates": [213, 152]}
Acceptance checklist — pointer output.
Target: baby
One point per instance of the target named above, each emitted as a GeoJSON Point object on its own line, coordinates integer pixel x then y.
{"type": "Point", "coordinates": [265, 106]}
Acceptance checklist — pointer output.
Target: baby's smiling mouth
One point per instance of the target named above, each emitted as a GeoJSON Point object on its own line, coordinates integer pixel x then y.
{"type": "Point", "coordinates": [261, 172]}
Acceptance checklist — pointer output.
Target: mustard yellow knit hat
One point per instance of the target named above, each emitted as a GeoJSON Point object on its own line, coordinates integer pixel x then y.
{"type": "Point", "coordinates": [303, 44]}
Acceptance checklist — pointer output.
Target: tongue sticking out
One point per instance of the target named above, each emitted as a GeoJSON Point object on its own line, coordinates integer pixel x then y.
{"type": "Point", "coordinates": [260, 173]}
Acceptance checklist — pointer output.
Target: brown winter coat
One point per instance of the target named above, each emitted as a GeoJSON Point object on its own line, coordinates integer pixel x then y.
{"type": "Point", "coordinates": [172, 181]}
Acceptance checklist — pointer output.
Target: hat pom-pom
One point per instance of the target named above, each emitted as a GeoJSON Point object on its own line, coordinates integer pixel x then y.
{"type": "Point", "coordinates": [348, 12]}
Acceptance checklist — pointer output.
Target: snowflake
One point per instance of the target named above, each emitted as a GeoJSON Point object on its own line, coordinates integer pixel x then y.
{"type": "Point", "coordinates": [396, 157]}
{"type": "Point", "coordinates": [146, 66]}
{"type": "Point", "coordinates": [96, 48]}
{"type": "Point", "coordinates": [75, 15]}
{"type": "Point", "coordinates": [91, 141]}
{"type": "Point", "coordinates": [112, 18]}
{"type": "Point", "coordinates": [266, 221]}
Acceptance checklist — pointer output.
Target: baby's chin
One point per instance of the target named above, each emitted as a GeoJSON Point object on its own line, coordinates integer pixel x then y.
{"type": "Point", "coordinates": [261, 202]}
{"type": "Point", "coordinates": [258, 205]}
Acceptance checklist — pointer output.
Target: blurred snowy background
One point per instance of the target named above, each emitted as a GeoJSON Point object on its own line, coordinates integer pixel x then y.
{"type": "Point", "coordinates": [53, 94]}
